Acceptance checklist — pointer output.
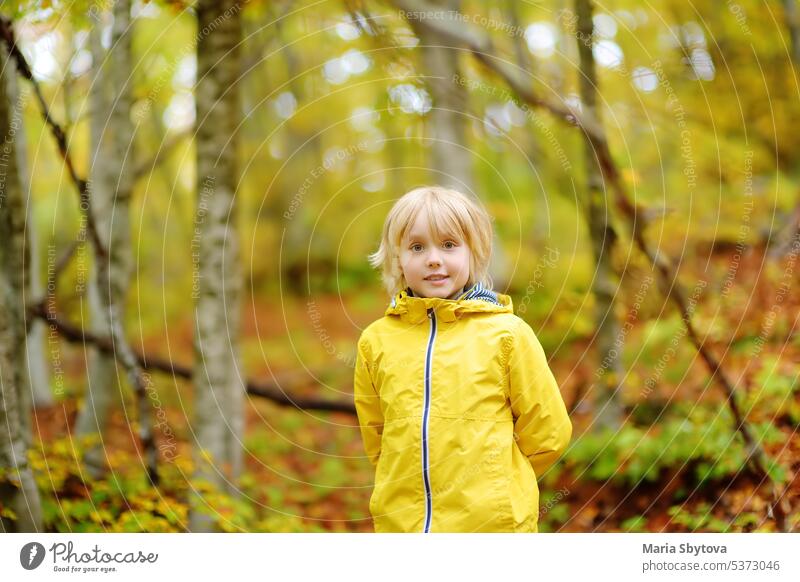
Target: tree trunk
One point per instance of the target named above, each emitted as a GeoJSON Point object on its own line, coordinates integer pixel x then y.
{"type": "Point", "coordinates": [451, 155]}
{"type": "Point", "coordinates": [606, 390]}
{"type": "Point", "coordinates": [780, 239]}
{"type": "Point", "coordinates": [18, 493]}
{"type": "Point", "coordinates": [38, 370]}
{"type": "Point", "coordinates": [111, 188]}
{"type": "Point", "coordinates": [523, 59]}
{"type": "Point", "coordinates": [219, 391]}
{"type": "Point", "coordinates": [452, 161]}
{"type": "Point", "coordinates": [304, 154]}
{"type": "Point", "coordinates": [18, 265]}
{"type": "Point", "coordinates": [37, 367]}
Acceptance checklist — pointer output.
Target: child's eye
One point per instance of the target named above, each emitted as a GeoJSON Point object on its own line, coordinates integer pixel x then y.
{"type": "Point", "coordinates": [449, 244]}
{"type": "Point", "coordinates": [416, 247]}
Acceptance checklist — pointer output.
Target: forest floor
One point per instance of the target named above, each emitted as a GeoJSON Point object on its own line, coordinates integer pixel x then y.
{"type": "Point", "coordinates": [307, 469]}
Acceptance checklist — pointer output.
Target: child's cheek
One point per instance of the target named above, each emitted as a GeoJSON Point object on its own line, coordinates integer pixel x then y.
{"type": "Point", "coordinates": [406, 263]}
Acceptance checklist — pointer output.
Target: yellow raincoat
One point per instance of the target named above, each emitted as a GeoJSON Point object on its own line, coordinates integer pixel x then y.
{"type": "Point", "coordinates": [459, 413]}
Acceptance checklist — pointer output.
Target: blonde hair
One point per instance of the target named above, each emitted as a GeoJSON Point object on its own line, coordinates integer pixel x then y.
{"type": "Point", "coordinates": [449, 212]}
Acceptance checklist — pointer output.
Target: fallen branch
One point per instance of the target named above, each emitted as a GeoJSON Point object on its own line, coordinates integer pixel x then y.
{"type": "Point", "coordinates": [271, 391]}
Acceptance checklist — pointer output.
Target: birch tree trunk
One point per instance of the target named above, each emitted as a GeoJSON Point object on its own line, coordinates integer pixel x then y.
{"type": "Point", "coordinates": [16, 239]}
{"type": "Point", "coordinates": [38, 376]}
{"type": "Point", "coordinates": [606, 394]}
{"type": "Point", "coordinates": [219, 390]}
{"type": "Point", "coordinates": [38, 369]}
{"type": "Point", "coordinates": [18, 492]}
{"type": "Point", "coordinates": [111, 188]}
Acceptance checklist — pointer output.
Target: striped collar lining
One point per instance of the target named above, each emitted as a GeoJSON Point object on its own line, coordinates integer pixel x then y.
{"type": "Point", "coordinates": [478, 291]}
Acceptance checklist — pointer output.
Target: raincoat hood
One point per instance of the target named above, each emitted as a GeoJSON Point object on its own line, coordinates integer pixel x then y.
{"type": "Point", "coordinates": [478, 299]}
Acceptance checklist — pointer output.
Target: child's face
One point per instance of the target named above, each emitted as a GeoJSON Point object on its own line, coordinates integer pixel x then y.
{"type": "Point", "coordinates": [433, 267]}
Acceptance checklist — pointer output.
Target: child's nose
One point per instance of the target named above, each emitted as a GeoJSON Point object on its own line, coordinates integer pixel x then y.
{"type": "Point", "coordinates": [433, 258]}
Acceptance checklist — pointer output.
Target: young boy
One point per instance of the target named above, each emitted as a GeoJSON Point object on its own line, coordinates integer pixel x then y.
{"type": "Point", "coordinates": [459, 411]}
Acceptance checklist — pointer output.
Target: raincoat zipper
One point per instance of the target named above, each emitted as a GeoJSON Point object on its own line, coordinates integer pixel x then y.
{"type": "Point", "coordinates": [426, 405]}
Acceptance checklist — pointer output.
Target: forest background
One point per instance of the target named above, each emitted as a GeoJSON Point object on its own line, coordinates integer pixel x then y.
{"type": "Point", "coordinates": [189, 192]}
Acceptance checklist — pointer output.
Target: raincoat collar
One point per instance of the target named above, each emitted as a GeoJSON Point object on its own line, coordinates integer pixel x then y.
{"type": "Point", "coordinates": [477, 299]}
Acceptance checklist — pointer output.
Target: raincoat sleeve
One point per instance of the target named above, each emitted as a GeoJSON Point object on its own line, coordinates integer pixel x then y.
{"type": "Point", "coordinates": [542, 427]}
{"type": "Point", "coordinates": [367, 401]}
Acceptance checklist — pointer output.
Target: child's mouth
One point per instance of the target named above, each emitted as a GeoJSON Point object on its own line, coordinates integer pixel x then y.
{"type": "Point", "coordinates": [436, 278]}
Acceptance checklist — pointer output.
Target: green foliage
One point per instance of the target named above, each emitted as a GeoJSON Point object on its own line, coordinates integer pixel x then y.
{"type": "Point", "coordinates": [774, 394]}
{"type": "Point", "coordinates": [636, 523]}
{"type": "Point", "coordinates": [699, 439]}
{"type": "Point", "coordinates": [664, 348]}
{"type": "Point", "coordinates": [124, 501]}
{"type": "Point", "coordinates": [699, 519]}
{"type": "Point", "coordinates": [553, 511]}
{"type": "Point", "coordinates": [120, 501]}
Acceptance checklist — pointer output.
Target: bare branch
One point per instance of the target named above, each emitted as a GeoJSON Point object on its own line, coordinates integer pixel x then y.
{"type": "Point", "coordinates": [271, 391]}
{"type": "Point", "coordinates": [82, 185]}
